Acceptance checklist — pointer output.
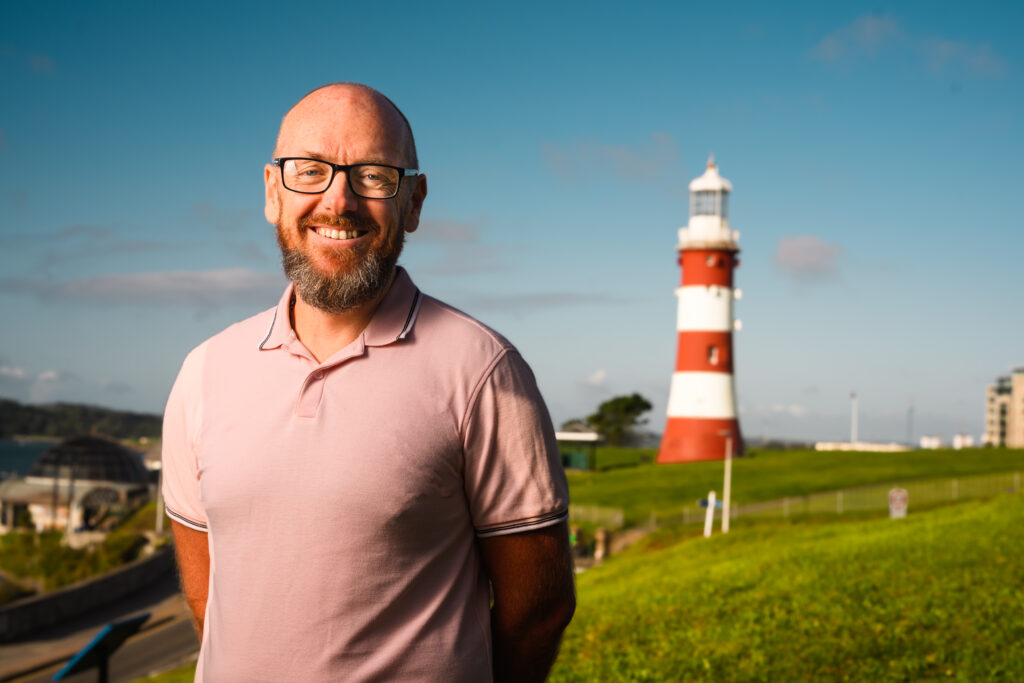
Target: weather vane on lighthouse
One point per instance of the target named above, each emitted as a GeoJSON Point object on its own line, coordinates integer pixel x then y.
{"type": "Point", "coordinates": [702, 421]}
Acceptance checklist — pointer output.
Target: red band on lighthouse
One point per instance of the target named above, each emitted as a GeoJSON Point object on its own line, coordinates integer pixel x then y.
{"type": "Point", "coordinates": [702, 417]}
{"type": "Point", "coordinates": [704, 352]}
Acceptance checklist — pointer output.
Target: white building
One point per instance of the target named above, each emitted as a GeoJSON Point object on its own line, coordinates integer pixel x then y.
{"type": "Point", "coordinates": [1004, 411]}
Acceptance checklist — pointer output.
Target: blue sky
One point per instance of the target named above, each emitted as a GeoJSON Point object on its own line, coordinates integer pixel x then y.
{"type": "Point", "coordinates": [875, 154]}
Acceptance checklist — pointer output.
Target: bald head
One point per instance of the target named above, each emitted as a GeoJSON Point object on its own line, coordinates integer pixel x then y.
{"type": "Point", "coordinates": [346, 107]}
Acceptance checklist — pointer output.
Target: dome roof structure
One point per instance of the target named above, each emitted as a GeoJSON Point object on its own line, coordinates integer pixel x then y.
{"type": "Point", "coordinates": [710, 181]}
{"type": "Point", "coordinates": [94, 458]}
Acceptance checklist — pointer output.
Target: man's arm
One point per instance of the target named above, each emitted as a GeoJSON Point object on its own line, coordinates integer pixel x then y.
{"type": "Point", "coordinates": [193, 553]}
{"type": "Point", "coordinates": [534, 599]}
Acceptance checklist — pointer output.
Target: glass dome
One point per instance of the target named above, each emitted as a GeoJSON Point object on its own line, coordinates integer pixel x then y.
{"type": "Point", "coordinates": [94, 458]}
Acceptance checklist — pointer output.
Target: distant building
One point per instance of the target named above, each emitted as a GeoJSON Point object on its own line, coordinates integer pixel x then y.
{"type": "Point", "coordinates": [82, 483]}
{"type": "Point", "coordinates": [930, 442]}
{"type": "Point", "coordinates": [962, 441]}
{"type": "Point", "coordinates": [578, 446]}
{"type": "Point", "coordinates": [1004, 411]}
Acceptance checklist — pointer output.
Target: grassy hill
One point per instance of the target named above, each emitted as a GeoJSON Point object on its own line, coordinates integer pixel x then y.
{"type": "Point", "coordinates": [937, 595]}
{"type": "Point", "coordinates": [769, 475]}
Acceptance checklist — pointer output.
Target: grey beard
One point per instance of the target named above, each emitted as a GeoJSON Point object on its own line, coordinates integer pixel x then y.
{"type": "Point", "coordinates": [339, 293]}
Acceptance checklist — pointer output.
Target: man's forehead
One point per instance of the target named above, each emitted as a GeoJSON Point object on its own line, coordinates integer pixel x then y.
{"type": "Point", "coordinates": [342, 118]}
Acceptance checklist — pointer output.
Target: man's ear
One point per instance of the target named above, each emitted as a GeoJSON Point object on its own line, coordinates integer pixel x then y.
{"type": "Point", "coordinates": [272, 200]}
{"type": "Point", "coordinates": [419, 193]}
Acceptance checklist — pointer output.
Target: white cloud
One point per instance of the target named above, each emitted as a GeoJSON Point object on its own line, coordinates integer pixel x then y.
{"type": "Point", "coordinates": [864, 37]}
{"type": "Point", "coordinates": [116, 387]}
{"type": "Point", "coordinates": [644, 162]}
{"type": "Point", "coordinates": [598, 378]}
{"type": "Point", "coordinates": [941, 55]}
{"type": "Point", "coordinates": [871, 35]}
{"type": "Point", "coordinates": [40, 63]}
{"type": "Point", "coordinates": [788, 409]}
{"type": "Point", "coordinates": [11, 372]}
{"type": "Point", "coordinates": [81, 243]}
{"type": "Point", "coordinates": [204, 288]}
{"type": "Point", "coordinates": [226, 220]}
{"type": "Point", "coordinates": [807, 257]}
{"type": "Point", "coordinates": [449, 231]}
{"type": "Point", "coordinates": [539, 300]}
{"type": "Point", "coordinates": [451, 247]}
{"type": "Point", "coordinates": [54, 385]}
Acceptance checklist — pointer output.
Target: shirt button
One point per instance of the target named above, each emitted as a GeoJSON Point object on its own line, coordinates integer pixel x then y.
{"type": "Point", "coordinates": [319, 375]}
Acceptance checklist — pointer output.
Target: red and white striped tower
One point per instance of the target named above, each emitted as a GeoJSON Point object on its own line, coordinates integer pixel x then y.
{"type": "Point", "coordinates": [702, 418]}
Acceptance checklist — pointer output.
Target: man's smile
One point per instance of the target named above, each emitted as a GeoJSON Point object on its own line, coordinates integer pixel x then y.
{"type": "Point", "coordinates": [335, 234]}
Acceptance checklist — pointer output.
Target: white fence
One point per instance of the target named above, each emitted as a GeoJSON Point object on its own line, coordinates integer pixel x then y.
{"type": "Point", "coordinates": [864, 499]}
{"type": "Point", "coordinates": [611, 518]}
{"type": "Point", "coordinates": [875, 498]}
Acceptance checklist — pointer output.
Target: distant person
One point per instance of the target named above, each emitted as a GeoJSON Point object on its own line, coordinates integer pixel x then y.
{"type": "Point", "coordinates": [352, 473]}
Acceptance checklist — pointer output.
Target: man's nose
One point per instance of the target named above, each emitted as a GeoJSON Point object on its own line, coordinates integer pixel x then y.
{"type": "Point", "coordinates": [339, 198]}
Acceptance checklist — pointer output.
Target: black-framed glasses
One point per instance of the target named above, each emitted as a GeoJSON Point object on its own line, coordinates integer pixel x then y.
{"type": "Point", "coordinates": [314, 176]}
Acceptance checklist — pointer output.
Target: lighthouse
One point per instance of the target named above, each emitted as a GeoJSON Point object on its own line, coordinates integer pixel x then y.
{"type": "Point", "coordinates": [702, 419]}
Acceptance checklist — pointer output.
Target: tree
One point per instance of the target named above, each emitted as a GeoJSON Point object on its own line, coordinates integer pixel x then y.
{"type": "Point", "coordinates": [617, 417]}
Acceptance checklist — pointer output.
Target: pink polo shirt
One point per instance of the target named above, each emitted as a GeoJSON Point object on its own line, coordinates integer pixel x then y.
{"type": "Point", "coordinates": [343, 499]}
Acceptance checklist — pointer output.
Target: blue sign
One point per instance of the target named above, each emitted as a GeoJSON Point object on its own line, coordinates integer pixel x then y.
{"type": "Point", "coordinates": [96, 653]}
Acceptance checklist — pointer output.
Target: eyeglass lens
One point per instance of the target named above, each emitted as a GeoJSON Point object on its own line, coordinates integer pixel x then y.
{"type": "Point", "coordinates": [366, 180]}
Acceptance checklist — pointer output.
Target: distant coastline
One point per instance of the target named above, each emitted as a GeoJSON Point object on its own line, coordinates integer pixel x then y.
{"type": "Point", "coordinates": [64, 420]}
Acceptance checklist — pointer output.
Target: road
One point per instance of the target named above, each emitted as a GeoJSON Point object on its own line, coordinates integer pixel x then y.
{"type": "Point", "coordinates": [167, 639]}
{"type": "Point", "coordinates": [165, 647]}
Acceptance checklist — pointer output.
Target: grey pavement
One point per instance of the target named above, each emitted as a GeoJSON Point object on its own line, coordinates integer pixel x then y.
{"type": "Point", "coordinates": [54, 646]}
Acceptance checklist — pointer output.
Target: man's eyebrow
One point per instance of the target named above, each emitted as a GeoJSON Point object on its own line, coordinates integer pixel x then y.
{"type": "Point", "coordinates": [368, 160]}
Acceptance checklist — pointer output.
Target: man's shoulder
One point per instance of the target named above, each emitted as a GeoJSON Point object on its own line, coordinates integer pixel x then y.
{"type": "Point", "coordinates": [443, 323]}
{"type": "Point", "coordinates": [249, 332]}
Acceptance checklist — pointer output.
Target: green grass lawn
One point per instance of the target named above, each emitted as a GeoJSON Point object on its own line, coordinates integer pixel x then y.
{"type": "Point", "coordinates": [185, 674]}
{"type": "Point", "coordinates": [769, 475]}
{"type": "Point", "coordinates": [937, 595]}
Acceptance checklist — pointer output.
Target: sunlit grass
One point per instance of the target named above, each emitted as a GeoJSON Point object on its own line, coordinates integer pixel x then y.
{"type": "Point", "coordinates": [936, 595]}
{"type": "Point", "coordinates": [770, 475]}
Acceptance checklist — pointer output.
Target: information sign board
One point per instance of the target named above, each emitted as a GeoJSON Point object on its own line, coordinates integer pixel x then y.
{"type": "Point", "coordinates": [898, 499]}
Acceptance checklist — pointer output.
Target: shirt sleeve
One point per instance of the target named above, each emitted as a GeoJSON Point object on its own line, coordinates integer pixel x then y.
{"type": "Point", "coordinates": [179, 448]}
{"type": "Point", "coordinates": [514, 477]}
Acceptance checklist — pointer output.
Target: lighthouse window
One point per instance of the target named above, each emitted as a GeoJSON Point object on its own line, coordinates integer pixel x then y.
{"type": "Point", "coordinates": [713, 354]}
{"type": "Point", "coordinates": [711, 259]}
{"type": "Point", "coordinates": [709, 203]}
{"type": "Point", "coordinates": [705, 203]}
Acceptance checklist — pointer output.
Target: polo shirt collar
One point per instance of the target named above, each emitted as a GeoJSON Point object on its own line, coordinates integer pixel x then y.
{"type": "Point", "coordinates": [396, 314]}
{"type": "Point", "coordinates": [393, 320]}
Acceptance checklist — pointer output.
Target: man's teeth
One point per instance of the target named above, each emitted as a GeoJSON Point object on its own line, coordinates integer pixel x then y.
{"type": "Point", "coordinates": [338, 234]}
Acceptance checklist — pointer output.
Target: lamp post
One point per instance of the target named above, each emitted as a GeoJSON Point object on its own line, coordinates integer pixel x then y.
{"type": "Point", "coordinates": [727, 486]}
{"type": "Point", "coordinates": [853, 418]}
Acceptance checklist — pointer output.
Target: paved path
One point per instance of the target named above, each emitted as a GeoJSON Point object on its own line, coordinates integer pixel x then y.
{"type": "Point", "coordinates": [164, 647]}
{"type": "Point", "coordinates": [50, 649]}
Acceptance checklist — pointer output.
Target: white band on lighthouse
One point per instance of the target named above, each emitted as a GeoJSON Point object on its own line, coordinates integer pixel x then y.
{"type": "Point", "coordinates": [701, 394]}
{"type": "Point", "coordinates": [707, 308]}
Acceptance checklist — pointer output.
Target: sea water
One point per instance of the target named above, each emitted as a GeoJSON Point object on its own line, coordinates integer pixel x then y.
{"type": "Point", "coordinates": [16, 457]}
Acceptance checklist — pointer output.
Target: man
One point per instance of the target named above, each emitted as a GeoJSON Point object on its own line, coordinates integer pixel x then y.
{"type": "Point", "coordinates": [357, 474]}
